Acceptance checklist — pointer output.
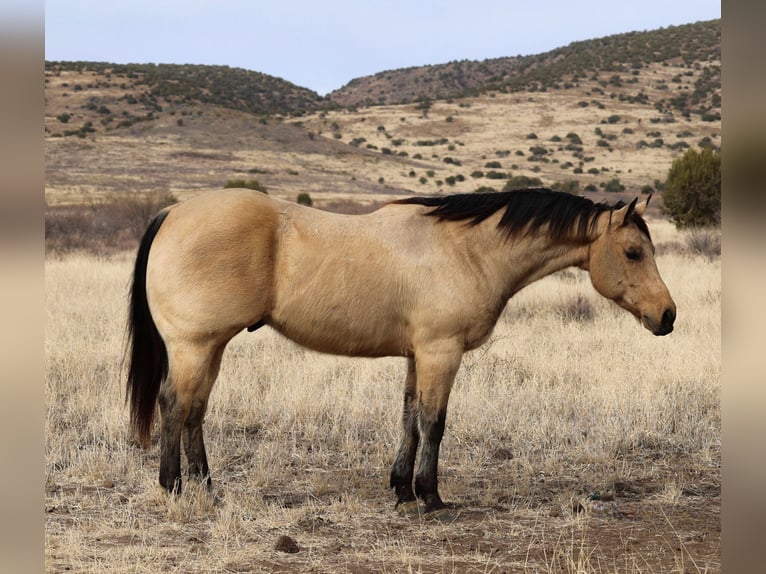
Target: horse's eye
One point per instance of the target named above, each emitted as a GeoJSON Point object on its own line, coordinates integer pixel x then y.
{"type": "Point", "coordinates": [633, 254]}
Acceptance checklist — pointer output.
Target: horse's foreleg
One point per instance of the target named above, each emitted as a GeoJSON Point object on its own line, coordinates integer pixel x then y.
{"type": "Point", "coordinates": [436, 372]}
{"type": "Point", "coordinates": [404, 463]}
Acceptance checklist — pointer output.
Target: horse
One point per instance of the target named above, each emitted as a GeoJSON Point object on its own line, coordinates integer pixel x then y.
{"type": "Point", "coordinates": [425, 278]}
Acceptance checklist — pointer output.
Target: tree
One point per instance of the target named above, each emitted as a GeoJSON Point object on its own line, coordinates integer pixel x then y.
{"type": "Point", "coordinates": [692, 194]}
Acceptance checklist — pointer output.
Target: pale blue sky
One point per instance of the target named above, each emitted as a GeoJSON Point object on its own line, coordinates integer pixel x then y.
{"type": "Point", "coordinates": [323, 45]}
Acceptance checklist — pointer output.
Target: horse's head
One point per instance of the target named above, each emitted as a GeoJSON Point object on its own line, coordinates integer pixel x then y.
{"type": "Point", "coordinates": [622, 268]}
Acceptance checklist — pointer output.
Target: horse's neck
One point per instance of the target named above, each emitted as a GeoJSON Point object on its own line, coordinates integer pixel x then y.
{"type": "Point", "coordinates": [523, 260]}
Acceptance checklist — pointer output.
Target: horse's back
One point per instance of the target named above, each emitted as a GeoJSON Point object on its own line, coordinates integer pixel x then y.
{"type": "Point", "coordinates": [211, 264]}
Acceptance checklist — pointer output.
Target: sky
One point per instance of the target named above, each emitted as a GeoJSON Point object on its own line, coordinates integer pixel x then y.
{"type": "Point", "coordinates": [322, 45]}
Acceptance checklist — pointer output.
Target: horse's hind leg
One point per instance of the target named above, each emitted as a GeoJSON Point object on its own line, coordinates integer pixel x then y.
{"type": "Point", "coordinates": [404, 463]}
{"type": "Point", "coordinates": [183, 399]}
{"type": "Point", "coordinates": [194, 443]}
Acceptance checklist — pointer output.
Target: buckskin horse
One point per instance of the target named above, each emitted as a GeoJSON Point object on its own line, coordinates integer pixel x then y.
{"type": "Point", "coordinates": [424, 278]}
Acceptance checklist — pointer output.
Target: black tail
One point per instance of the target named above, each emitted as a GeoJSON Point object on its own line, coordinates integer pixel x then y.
{"type": "Point", "coordinates": [148, 355]}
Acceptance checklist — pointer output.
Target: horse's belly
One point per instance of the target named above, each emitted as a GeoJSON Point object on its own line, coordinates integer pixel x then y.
{"type": "Point", "coordinates": [341, 335]}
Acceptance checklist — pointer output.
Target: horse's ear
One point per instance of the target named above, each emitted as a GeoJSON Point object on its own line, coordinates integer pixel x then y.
{"type": "Point", "coordinates": [616, 218]}
{"type": "Point", "coordinates": [622, 215]}
{"type": "Point", "coordinates": [641, 207]}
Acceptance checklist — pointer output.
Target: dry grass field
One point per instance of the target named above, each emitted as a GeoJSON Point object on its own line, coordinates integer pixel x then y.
{"type": "Point", "coordinates": [575, 442]}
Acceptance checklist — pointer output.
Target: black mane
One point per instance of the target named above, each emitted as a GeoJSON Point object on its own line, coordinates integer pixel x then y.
{"type": "Point", "coordinates": [566, 215]}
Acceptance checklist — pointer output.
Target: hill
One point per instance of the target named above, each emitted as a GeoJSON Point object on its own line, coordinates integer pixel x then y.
{"type": "Point", "coordinates": [603, 59]}
{"type": "Point", "coordinates": [158, 86]}
{"type": "Point", "coordinates": [604, 117]}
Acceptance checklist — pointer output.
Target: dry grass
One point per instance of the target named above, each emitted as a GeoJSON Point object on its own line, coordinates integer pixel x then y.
{"type": "Point", "coordinates": [575, 442]}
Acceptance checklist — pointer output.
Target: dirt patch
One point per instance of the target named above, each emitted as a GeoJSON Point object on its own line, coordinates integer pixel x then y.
{"type": "Point", "coordinates": [543, 523]}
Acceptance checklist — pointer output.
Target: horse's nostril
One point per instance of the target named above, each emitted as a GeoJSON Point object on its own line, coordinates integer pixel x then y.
{"type": "Point", "coordinates": [668, 317]}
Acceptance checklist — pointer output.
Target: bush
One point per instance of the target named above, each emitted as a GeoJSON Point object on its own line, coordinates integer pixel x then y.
{"type": "Point", "coordinates": [614, 185]}
{"type": "Point", "coordinates": [522, 182]}
{"type": "Point", "coordinates": [692, 194]}
{"type": "Point", "coordinates": [104, 227]}
{"type": "Point", "coordinates": [247, 184]}
{"type": "Point", "coordinates": [576, 310]}
{"type": "Point", "coordinates": [304, 199]}
{"type": "Point", "coordinates": [705, 241]}
{"type": "Point", "coordinates": [568, 186]}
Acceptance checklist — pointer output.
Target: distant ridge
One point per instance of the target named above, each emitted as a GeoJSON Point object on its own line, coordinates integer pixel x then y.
{"type": "Point", "coordinates": [556, 69]}
{"type": "Point", "coordinates": [182, 84]}
{"type": "Point", "coordinates": [258, 93]}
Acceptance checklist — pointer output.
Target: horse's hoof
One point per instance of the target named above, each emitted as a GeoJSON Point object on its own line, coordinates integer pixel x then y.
{"type": "Point", "coordinates": [410, 508]}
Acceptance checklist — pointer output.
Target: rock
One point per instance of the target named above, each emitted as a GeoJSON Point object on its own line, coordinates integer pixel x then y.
{"type": "Point", "coordinates": [287, 544]}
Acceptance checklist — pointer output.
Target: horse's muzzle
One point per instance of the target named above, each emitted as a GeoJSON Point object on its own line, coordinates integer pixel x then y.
{"type": "Point", "coordinates": [665, 325]}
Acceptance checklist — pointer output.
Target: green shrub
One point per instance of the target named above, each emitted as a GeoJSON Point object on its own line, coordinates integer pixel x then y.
{"type": "Point", "coordinates": [247, 184]}
{"type": "Point", "coordinates": [692, 194]}
{"type": "Point", "coordinates": [613, 185]}
{"type": "Point", "coordinates": [522, 182]}
{"type": "Point", "coordinates": [304, 199]}
{"type": "Point", "coordinates": [569, 186]}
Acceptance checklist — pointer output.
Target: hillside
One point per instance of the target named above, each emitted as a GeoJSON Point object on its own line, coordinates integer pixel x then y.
{"type": "Point", "coordinates": [571, 118]}
{"type": "Point", "coordinates": [154, 87]}
{"type": "Point", "coordinates": [603, 59]}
